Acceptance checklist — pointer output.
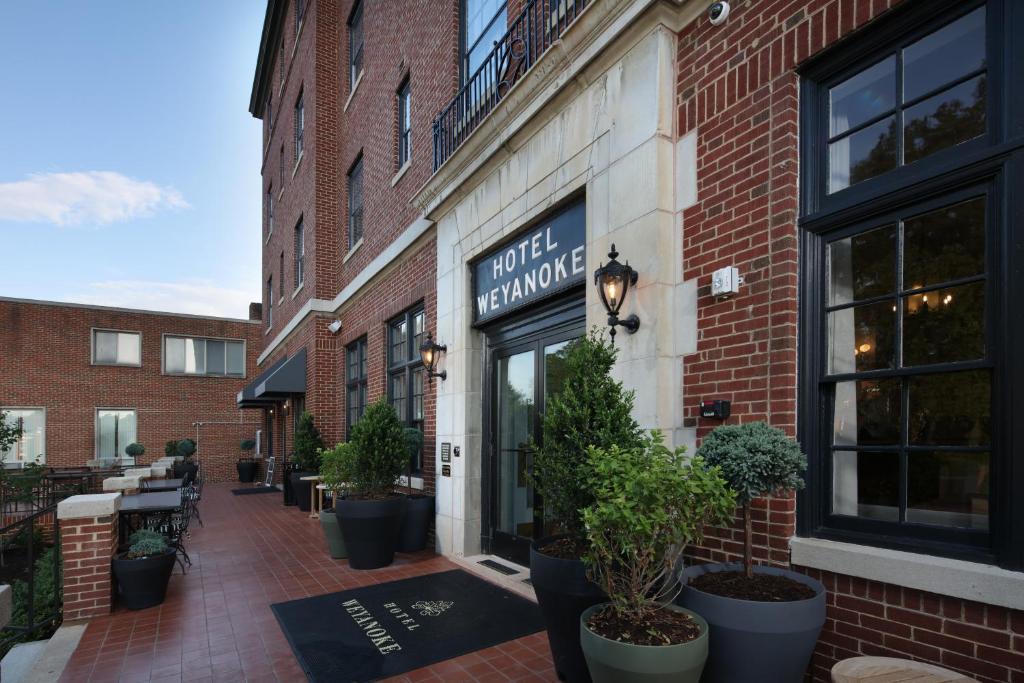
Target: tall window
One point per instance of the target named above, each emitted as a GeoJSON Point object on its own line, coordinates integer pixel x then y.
{"type": "Point", "coordinates": [405, 371]}
{"type": "Point", "coordinates": [404, 101]}
{"type": "Point", "coordinates": [280, 275]}
{"type": "Point", "coordinates": [300, 258]}
{"type": "Point", "coordinates": [200, 356]}
{"type": "Point", "coordinates": [111, 347]}
{"type": "Point", "coordinates": [115, 430]}
{"type": "Point", "coordinates": [300, 11]}
{"type": "Point", "coordinates": [355, 44]}
{"type": "Point", "coordinates": [270, 114]}
{"type": "Point", "coordinates": [355, 203]}
{"type": "Point", "coordinates": [484, 22]}
{"type": "Point", "coordinates": [280, 61]}
{"type": "Point", "coordinates": [270, 210]}
{"type": "Point", "coordinates": [300, 126]}
{"type": "Point", "coordinates": [280, 170]}
{"type": "Point", "coordinates": [356, 381]}
{"type": "Point", "coordinates": [31, 445]}
{"type": "Point", "coordinates": [270, 301]}
{"type": "Point", "coordinates": [902, 295]}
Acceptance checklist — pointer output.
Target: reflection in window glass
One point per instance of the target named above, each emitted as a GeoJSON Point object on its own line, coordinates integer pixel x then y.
{"type": "Point", "coordinates": [867, 412]}
{"type": "Point", "coordinates": [31, 445]}
{"type": "Point", "coordinates": [944, 245]}
{"type": "Point", "coordinates": [862, 266]}
{"type": "Point", "coordinates": [951, 409]}
{"type": "Point", "coordinates": [948, 488]}
{"type": "Point", "coordinates": [868, 94]}
{"type": "Point", "coordinates": [862, 338]}
{"type": "Point", "coordinates": [944, 325]}
{"type": "Point", "coordinates": [116, 348]}
{"type": "Point", "coordinates": [115, 430]}
{"type": "Point", "coordinates": [862, 155]}
{"type": "Point", "coordinates": [949, 118]}
{"type": "Point", "coordinates": [866, 484]}
{"type": "Point", "coordinates": [953, 51]}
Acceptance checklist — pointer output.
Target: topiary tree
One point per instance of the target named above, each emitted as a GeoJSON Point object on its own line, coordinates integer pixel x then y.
{"type": "Point", "coordinates": [171, 448]}
{"type": "Point", "coordinates": [308, 444]}
{"type": "Point", "coordinates": [756, 460]}
{"type": "Point", "coordinates": [247, 446]}
{"type": "Point", "coordinates": [186, 448]}
{"type": "Point", "coordinates": [590, 409]}
{"type": "Point", "coordinates": [135, 450]}
{"type": "Point", "coordinates": [381, 451]}
{"type": "Point", "coordinates": [336, 465]}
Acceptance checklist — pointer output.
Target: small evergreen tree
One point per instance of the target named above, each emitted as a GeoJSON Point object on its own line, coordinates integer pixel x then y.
{"type": "Point", "coordinates": [381, 449]}
{"type": "Point", "coordinates": [590, 409]}
{"type": "Point", "coordinates": [171, 448]}
{"type": "Point", "coordinates": [756, 460]}
{"type": "Point", "coordinates": [186, 448]}
{"type": "Point", "coordinates": [247, 446]}
{"type": "Point", "coordinates": [135, 450]}
{"type": "Point", "coordinates": [10, 432]}
{"type": "Point", "coordinates": [308, 444]}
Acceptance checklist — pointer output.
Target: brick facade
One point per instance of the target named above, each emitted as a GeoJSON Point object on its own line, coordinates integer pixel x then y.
{"type": "Point", "coordinates": [63, 380]}
{"type": "Point", "coordinates": [86, 545]}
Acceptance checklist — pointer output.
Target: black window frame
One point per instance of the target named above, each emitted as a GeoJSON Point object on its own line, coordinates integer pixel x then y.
{"type": "Point", "coordinates": [354, 181]}
{"type": "Point", "coordinates": [270, 209]}
{"type": "Point", "coordinates": [989, 166]}
{"type": "Point", "coordinates": [404, 370]}
{"type": "Point", "coordinates": [357, 378]}
{"type": "Point", "coordinates": [270, 301]}
{"type": "Point", "coordinates": [300, 124]}
{"type": "Point", "coordinates": [299, 264]}
{"type": "Point", "coordinates": [403, 101]}
{"type": "Point", "coordinates": [356, 44]}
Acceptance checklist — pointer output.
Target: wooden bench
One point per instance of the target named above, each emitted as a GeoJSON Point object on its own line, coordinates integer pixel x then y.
{"type": "Point", "coordinates": [892, 670]}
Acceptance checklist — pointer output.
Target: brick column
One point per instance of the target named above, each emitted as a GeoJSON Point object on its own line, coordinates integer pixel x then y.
{"type": "Point", "coordinates": [88, 540]}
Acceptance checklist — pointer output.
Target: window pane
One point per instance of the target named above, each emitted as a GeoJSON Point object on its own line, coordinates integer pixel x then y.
{"type": "Point", "coordinates": [115, 429]}
{"type": "Point", "coordinates": [951, 52]}
{"type": "Point", "coordinates": [127, 348]}
{"type": "Point", "coordinates": [362, 359]}
{"type": "Point", "coordinates": [949, 118]}
{"type": "Point", "coordinates": [944, 325]}
{"type": "Point", "coordinates": [944, 245]}
{"type": "Point", "coordinates": [866, 484]}
{"type": "Point", "coordinates": [30, 446]}
{"type": "Point", "coordinates": [106, 347]}
{"type": "Point", "coordinates": [950, 489]}
{"type": "Point", "coordinates": [418, 326]}
{"type": "Point", "coordinates": [862, 338]}
{"type": "Point", "coordinates": [195, 356]}
{"type": "Point", "coordinates": [951, 409]}
{"type": "Point", "coordinates": [867, 412]}
{"type": "Point", "coordinates": [399, 335]}
{"type": "Point", "coordinates": [215, 361]}
{"type": "Point", "coordinates": [397, 393]}
{"type": "Point", "coordinates": [870, 93]}
{"type": "Point", "coordinates": [417, 394]}
{"type": "Point", "coordinates": [862, 266]}
{"type": "Point", "coordinates": [487, 38]}
{"type": "Point", "coordinates": [869, 152]}
{"type": "Point", "coordinates": [174, 354]}
{"type": "Point", "coordinates": [236, 358]}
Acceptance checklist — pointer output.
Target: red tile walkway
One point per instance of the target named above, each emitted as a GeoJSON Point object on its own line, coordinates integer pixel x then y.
{"type": "Point", "coordinates": [216, 624]}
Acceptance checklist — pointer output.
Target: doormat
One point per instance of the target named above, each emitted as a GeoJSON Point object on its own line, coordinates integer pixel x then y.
{"type": "Point", "coordinates": [383, 630]}
{"type": "Point", "coordinates": [256, 489]}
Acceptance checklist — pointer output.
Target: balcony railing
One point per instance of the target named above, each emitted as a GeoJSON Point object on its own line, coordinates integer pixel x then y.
{"type": "Point", "coordinates": [540, 24]}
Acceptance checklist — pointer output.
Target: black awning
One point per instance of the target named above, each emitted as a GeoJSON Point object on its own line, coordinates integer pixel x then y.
{"type": "Point", "coordinates": [246, 398]}
{"type": "Point", "coordinates": [283, 381]}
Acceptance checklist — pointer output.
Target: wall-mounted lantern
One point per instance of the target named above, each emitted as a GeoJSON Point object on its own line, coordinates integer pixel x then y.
{"type": "Point", "coordinates": [613, 281]}
{"type": "Point", "coordinates": [429, 353]}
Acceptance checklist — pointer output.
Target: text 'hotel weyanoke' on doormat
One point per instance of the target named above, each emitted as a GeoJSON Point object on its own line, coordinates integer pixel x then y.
{"type": "Point", "coordinates": [373, 632]}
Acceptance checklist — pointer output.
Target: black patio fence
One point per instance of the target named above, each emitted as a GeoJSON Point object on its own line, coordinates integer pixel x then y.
{"type": "Point", "coordinates": [30, 561]}
{"type": "Point", "coordinates": [534, 31]}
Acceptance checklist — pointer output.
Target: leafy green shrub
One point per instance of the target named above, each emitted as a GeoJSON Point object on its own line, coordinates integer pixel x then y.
{"type": "Point", "coordinates": [171, 449]}
{"type": "Point", "coordinates": [147, 547]}
{"type": "Point", "coordinates": [590, 409]}
{"type": "Point", "coordinates": [756, 460]}
{"type": "Point", "coordinates": [336, 466]}
{"type": "Point", "coordinates": [308, 444]}
{"type": "Point", "coordinates": [186, 448]}
{"type": "Point", "coordinates": [10, 432]}
{"type": "Point", "coordinates": [649, 503]}
{"type": "Point", "coordinates": [381, 451]}
{"type": "Point", "coordinates": [247, 445]}
{"type": "Point", "coordinates": [143, 535]}
{"type": "Point", "coordinates": [135, 450]}
{"type": "Point", "coordinates": [46, 594]}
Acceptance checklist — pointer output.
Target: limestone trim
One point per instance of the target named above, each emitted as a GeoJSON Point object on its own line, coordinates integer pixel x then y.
{"type": "Point", "coordinates": [90, 505]}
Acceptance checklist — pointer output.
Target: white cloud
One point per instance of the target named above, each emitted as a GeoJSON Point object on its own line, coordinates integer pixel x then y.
{"type": "Point", "coordinates": [89, 197]}
{"type": "Point", "coordinates": [200, 297]}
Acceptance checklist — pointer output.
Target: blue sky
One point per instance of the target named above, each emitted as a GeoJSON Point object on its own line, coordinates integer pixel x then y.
{"type": "Point", "coordinates": [129, 163]}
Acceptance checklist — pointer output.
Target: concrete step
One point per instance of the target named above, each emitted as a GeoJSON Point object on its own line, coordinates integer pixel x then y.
{"type": "Point", "coordinates": [41, 661]}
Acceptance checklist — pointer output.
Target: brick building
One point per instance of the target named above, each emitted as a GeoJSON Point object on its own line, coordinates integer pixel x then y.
{"type": "Point", "coordinates": [87, 381]}
{"type": "Point", "coordinates": [853, 161]}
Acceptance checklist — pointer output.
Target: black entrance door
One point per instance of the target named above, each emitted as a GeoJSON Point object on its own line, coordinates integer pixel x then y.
{"type": "Point", "coordinates": [526, 364]}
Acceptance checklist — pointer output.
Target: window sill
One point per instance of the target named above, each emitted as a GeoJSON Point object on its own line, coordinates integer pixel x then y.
{"type": "Point", "coordinates": [355, 89]}
{"type": "Point", "coordinates": [956, 578]}
{"type": "Point", "coordinates": [298, 289]}
{"type": "Point", "coordinates": [417, 482]}
{"type": "Point", "coordinates": [97, 364]}
{"type": "Point", "coordinates": [280, 193]}
{"type": "Point", "coordinates": [352, 251]}
{"type": "Point", "coordinates": [295, 168]}
{"type": "Point", "coordinates": [401, 172]}
{"type": "Point", "coordinates": [268, 330]}
{"type": "Point", "coordinates": [269, 235]}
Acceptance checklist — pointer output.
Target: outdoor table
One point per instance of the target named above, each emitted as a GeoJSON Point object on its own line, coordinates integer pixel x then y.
{"type": "Point", "coordinates": [888, 669]}
{"type": "Point", "coordinates": [145, 505]}
{"type": "Point", "coordinates": [314, 507]}
{"type": "Point", "coordinates": [161, 484]}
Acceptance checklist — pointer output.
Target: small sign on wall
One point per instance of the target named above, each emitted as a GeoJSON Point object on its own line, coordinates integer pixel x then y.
{"type": "Point", "coordinates": [446, 470]}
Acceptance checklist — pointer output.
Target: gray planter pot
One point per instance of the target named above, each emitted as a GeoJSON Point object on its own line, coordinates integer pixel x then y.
{"type": "Point", "coordinates": [749, 638]}
{"type": "Point", "coordinates": [610, 661]}
{"type": "Point", "coordinates": [332, 532]}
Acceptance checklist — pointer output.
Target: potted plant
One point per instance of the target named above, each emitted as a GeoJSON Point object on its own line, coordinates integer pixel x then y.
{"type": "Point", "coordinates": [590, 409]}
{"type": "Point", "coordinates": [143, 571]}
{"type": "Point", "coordinates": [762, 618]}
{"type": "Point", "coordinates": [134, 451]}
{"type": "Point", "coordinates": [246, 466]}
{"type": "Point", "coordinates": [649, 503]}
{"type": "Point", "coordinates": [171, 448]}
{"type": "Point", "coordinates": [371, 514]}
{"type": "Point", "coordinates": [186, 469]}
{"type": "Point", "coordinates": [306, 458]}
{"type": "Point", "coordinates": [335, 464]}
{"type": "Point", "coordinates": [419, 510]}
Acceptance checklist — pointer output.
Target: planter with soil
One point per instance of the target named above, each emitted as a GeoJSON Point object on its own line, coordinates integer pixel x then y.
{"type": "Point", "coordinates": [769, 622]}
{"type": "Point", "coordinates": [644, 659]}
{"type": "Point", "coordinates": [332, 532]}
{"type": "Point", "coordinates": [370, 529]}
{"type": "Point", "coordinates": [142, 582]}
{"type": "Point", "coordinates": [247, 469]}
{"type": "Point", "coordinates": [419, 513]}
{"type": "Point", "coordinates": [302, 490]}
{"type": "Point", "coordinates": [559, 579]}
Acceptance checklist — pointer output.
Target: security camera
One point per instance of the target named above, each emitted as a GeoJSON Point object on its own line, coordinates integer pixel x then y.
{"type": "Point", "coordinates": [718, 12]}
{"type": "Point", "coordinates": [334, 327]}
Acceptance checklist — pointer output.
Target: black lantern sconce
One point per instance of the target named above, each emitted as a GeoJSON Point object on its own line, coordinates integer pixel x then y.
{"type": "Point", "coordinates": [429, 352]}
{"type": "Point", "coordinates": [613, 281]}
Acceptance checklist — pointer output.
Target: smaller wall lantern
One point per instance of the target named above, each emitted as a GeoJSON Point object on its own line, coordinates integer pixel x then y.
{"type": "Point", "coordinates": [429, 353]}
{"type": "Point", "coordinates": [613, 281]}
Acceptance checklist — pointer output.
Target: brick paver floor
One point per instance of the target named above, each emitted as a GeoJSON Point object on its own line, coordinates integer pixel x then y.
{"type": "Point", "coordinates": [216, 624]}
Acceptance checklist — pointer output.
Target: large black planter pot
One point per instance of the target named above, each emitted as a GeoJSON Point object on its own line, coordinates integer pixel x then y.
{"type": "Point", "coordinates": [186, 470]}
{"type": "Point", "coordinates": [286, 485]}
{"type": "Point", "coordinates": [563, 592]}
{"type": "Point", "coordinates": [419, 513]}
{"type": "Point", "coordinates": [302, 490]}
{"type": "Point", "coordinates": [246, 471]}
{"type": "Point", "coordinates": [750, 638]}
{"type": "Point", "coordinates": [142, 583]}
{"type": "Point", "coordinates": [370, 529]}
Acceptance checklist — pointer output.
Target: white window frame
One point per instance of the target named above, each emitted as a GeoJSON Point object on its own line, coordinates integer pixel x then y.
{"type": "Point", "coordinates": [163, 356]}
{"type": "Point", "coordinates": [92, 347]}
{"type": "Point", "coordinates": [96, 430]}
{"type": "Point", "coordinates": [41, 460]}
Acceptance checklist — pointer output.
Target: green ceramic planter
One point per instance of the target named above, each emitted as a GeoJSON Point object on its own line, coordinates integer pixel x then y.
{"type": "Point", "coordinates": [610, 661]}
{"type": "Point", "coordinates": [332, 532]}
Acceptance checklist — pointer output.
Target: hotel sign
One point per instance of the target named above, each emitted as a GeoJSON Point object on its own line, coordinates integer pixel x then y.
{"type": "Point", "coordinates": [548, 259]}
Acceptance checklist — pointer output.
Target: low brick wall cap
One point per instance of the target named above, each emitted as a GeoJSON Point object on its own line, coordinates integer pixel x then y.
{"type": "Point", "coordinates": [91, 505]}
{"type": "Point", "coordinates": [121, 483]}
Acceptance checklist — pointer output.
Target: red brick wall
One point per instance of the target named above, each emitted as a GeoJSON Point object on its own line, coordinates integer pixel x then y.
{"type": "Point", "coordinates": [46, 362]}
{"type": "Point", "coordinates": [86, 545]}
{"type": "Point", "coordinates": [738, 88]}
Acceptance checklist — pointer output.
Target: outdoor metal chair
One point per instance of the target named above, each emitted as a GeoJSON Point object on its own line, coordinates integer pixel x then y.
{"type": "Point", "coordinates": [194, 492]}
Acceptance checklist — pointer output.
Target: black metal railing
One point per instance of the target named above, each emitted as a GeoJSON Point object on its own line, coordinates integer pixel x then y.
{"type": "Point", "coordinates": [30, 561]}
{"type": "Point", "coordinates": [541, 23]}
